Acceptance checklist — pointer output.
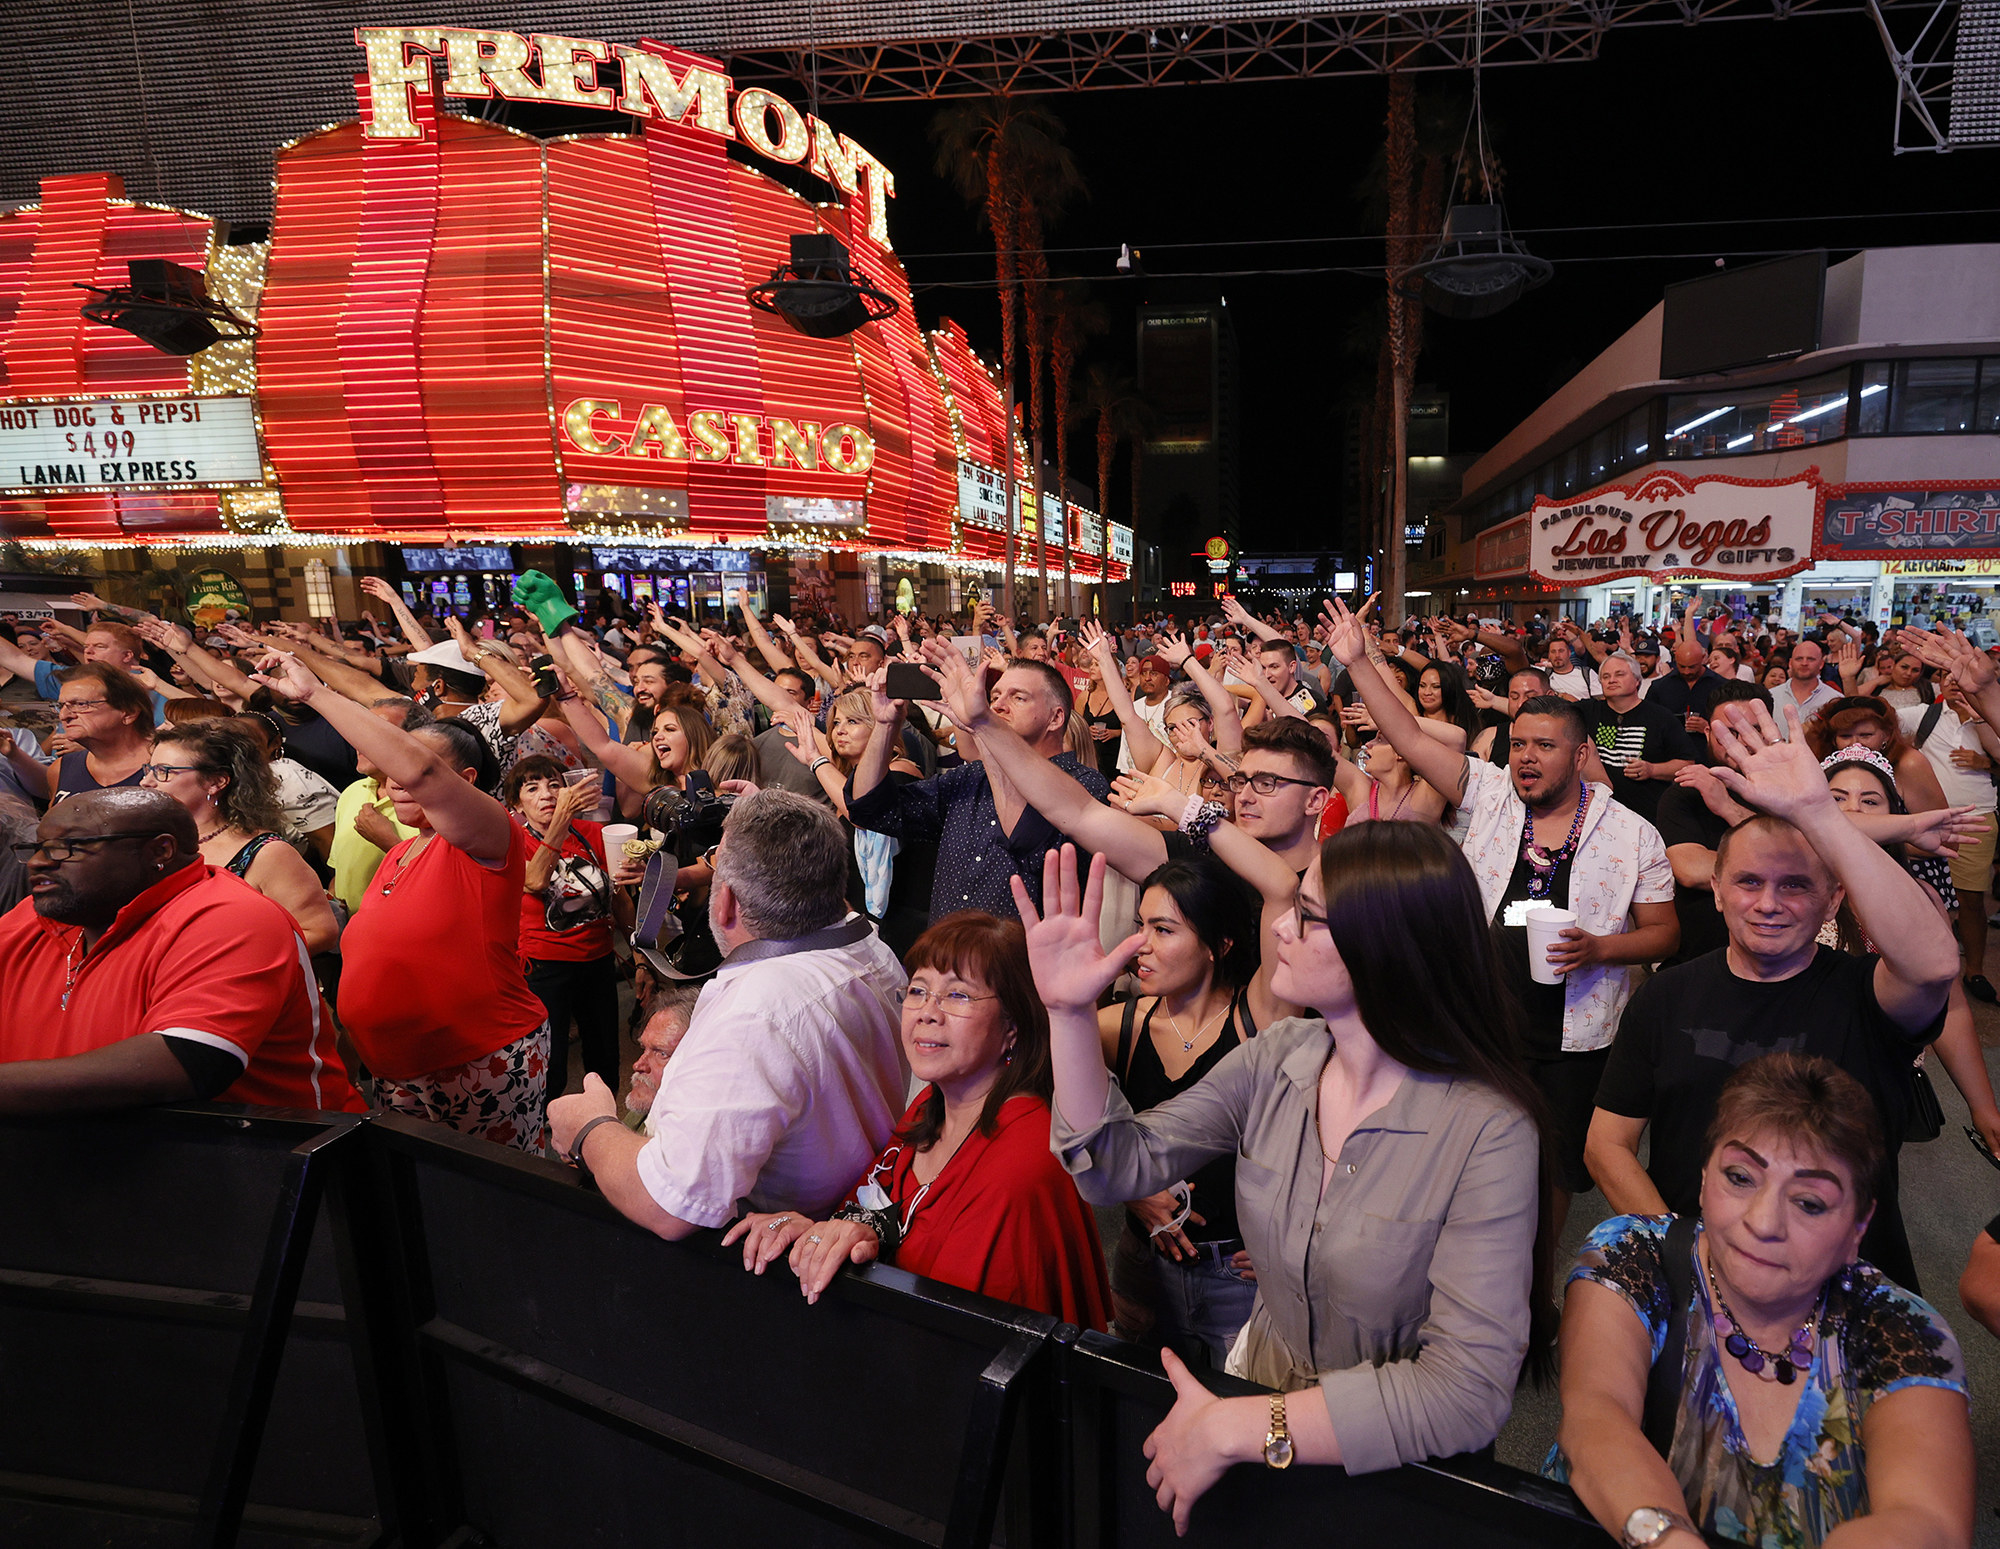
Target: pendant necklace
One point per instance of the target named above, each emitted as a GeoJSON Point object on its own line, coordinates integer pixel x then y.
{"type": "Point", "coordinates": [1543, 864]}
{"type": "Point", "coordinates": [73, 966]}
{"type": "Point", "coordinates": [1187, 1043]}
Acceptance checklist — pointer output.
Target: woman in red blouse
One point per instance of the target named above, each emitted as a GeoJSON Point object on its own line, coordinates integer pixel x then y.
{"type": "Point", "coordinates": [967, 1191]}
{"type": "Point", "coordinates": [431, 990]}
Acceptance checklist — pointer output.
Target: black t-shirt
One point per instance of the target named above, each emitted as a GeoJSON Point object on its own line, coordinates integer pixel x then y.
{"type": "Point", "coordinates": [1541, 1004]}
{"type": "Point", "coordinates": [1647, 731]}
{"type": "Point", "coordinates": [1674, 694]}
{"type": "Point", "coordinates": [313, 743]}
{"type": "Point", "coordinates": [1687, 1028]}
{"type": "Point", "coordinates": [1684, 818]}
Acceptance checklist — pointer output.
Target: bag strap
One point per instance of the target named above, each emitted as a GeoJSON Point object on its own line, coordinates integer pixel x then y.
{"type": "Point", "coordinates": [843, 933]}
{"type": "Point", "coordinates": [1663, 1382]}
{"type": "Point", "coordinates": [1929, 723]}
{"type": "Point", "coordinates": [1124, 1066]}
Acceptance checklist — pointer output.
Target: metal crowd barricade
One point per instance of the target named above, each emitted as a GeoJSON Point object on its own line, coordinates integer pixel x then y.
{"type": "Point", "coordinates": [174, 1361]}
{"type": "Point", "coordinates": [469, 1347]}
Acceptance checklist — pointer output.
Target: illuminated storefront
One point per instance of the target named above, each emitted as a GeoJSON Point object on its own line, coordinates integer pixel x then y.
{"type": "Point", "coordinates": [473, 338]}
{"type": "Point", "coordinates": [1873, 461]}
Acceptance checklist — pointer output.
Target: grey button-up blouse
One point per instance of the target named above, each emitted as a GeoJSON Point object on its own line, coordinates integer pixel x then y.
{"type": "Point", "coordinates": [1403, 1289]}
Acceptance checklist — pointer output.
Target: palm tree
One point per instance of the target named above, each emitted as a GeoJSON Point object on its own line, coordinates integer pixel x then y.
{"type": "Point", "coordinates": [1121, 415]}
{"type": "Point", "coordinates": [1008, 158]}
{"type": "Point", "coordinates": [1073, 318]}
{"type": "Point", "coordinates": [1416, 188]}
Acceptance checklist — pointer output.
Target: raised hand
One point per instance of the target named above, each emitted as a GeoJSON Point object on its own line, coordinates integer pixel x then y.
{"type": "Point", "coordinates": [1770, 774]}
{"type": "Point", "coordinates": [169, 637]}
{"type": "Point", "coordinates": [375, 586]}
{"type": "Point", "coordinates": [1235, 612]}
{"type": "Point", "coordinates": [1944, 829]}
{"type": "Point", "coordinates": [785, 625]}
{"type": "Point", "coordinates": [1071, 967]}
{"type": "Point", "coordinates": [1174, 648]}
{"type": "Point", "coordinates": [963, 687]}
{"type": "Point", "coordinates": [887, 711]}
{"type": "Point", "coordinates": [1345, 637]}
{"type": "Point", "coordinates": [286, 676]}
{"type": "Point", "coordinates": [1969, 666]}
{"type": "Point", "coordinates": [806, 744]}
{"type": "Point", "coordinates": [1096, 641]}
{"type": "Point", "coordinates": [1145, 795]}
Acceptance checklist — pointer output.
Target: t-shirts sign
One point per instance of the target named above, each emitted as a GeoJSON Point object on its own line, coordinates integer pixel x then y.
{"type": "Point", "coordinates": [1671, 524]}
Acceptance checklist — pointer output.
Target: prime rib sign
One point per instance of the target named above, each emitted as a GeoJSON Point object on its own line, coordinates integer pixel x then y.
{"type": "Point", "coordinates": [1668, 525]}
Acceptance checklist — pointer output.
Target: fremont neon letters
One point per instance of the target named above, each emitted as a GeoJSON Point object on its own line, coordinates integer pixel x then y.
{"type": "Point", "coordinates": [657, 81]}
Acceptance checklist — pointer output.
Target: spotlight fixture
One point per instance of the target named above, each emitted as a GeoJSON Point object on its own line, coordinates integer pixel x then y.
{"type": "Point", "coordinates": [1476, 268]}
{"type": "Point", "coordinates": [819, 293]}
{"type": "Point", "coordinates": [168, 306]}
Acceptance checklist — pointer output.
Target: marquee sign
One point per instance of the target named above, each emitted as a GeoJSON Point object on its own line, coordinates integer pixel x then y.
{"type": "Point", "coordinates": [1501, 550]}
{"type": "Point", "coordinates": [1713, 525]}
{"type": "Point", "coordinates": [49, 446]}
{"type": "Point", "coordinates": [1873, 521]}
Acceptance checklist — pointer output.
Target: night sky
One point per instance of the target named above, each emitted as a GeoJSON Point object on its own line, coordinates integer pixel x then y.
{"type": "Point", "coordinates": [1672, 129]}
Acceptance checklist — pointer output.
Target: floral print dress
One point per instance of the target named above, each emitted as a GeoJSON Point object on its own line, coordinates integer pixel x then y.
{"type": "Point", "coordinates": [1876, 1339]}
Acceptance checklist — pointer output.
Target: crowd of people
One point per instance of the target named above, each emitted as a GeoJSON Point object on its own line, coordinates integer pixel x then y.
{"type": "Point", "coordinates": [1264, 991]}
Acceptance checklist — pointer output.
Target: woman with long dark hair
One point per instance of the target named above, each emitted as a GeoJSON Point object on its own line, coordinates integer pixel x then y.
{"type": "Point", "coordinates": [1390, 1176]}
{"type": "Point", "coordinates": [966, 1191]}
{"type": "Point", "coordinates": [1180, 1274]}
{"type": "Point", "coordinates": [1442, 695]}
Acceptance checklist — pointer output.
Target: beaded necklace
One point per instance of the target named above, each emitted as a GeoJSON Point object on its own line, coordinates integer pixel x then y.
{"type": "Point", "coordinates": [1783, 1368]}
{"type": "Point", "coordinates": [1543, 864]}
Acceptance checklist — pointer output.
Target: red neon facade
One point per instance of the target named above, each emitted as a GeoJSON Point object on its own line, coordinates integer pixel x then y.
{"type": "Point", "coordinates": [466, 331]}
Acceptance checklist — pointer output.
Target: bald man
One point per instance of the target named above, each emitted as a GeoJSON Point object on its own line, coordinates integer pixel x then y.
{"type": "Point", "coordinates": [136, 973]}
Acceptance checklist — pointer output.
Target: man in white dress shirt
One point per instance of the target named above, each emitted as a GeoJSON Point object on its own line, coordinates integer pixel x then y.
{"type": "Point", "coordinates": [791, 1075]}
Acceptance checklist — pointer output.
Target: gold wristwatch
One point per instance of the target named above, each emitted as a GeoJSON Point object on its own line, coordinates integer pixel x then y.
{"type": "Point", "coordinates": [1278, 1440]}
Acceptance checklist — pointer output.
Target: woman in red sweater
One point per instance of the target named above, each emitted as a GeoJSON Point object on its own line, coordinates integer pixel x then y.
{"type": "Point", "coordinates": [967, 1191]}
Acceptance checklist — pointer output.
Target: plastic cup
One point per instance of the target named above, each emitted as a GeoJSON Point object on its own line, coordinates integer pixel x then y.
{"type": "Point", "coordinates": [1546, 923]}
{"type": "Point", "coordinates": [583, 776]}
{"type": "Point", "coordinates": [616, 834]}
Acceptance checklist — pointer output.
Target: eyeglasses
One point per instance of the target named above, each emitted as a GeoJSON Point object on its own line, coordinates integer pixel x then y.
{"type": "Point", "coordinates": [1306, 916]}
{"type": "Point", "coordinates": [953, 1003]}
{"type": "Point", "coordinates": [168, 771]}
{"type": "Point", "coordinates": [60, 850]}
{"type": "Point", "coordinates": [1265, 784]}
{"type": "Point", "coordinates": [78, 706]}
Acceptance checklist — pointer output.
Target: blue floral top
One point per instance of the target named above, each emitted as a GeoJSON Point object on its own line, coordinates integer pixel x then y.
{"type": "Point", "coordinates": [1876, 1339]}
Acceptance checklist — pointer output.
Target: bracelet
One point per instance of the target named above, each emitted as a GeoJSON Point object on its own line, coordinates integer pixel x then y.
{"type": "Point", "coordinates": [818, 764]}
{"type": "Point", "coordinates": [882, 1223]}
{"type": "Point", "coordinates": [576, 1145]}
{"type": "Point", "coordinates": [1204, 822]}
{"type": "Point", "coordinates": [1190, 812]}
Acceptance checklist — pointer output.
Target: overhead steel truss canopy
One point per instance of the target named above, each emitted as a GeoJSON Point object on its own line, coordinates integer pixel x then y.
{"type": "Point", "coordinates": [1945, 53]}
{"type": "Point", "coordinates": [188, 107]}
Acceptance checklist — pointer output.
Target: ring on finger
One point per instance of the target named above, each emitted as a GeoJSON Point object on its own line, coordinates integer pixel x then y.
{"type": "Point", "coordinates": [813, 1238]}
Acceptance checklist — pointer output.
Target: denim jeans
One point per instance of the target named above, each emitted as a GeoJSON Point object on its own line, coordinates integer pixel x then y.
{"type": "Point", "coordinates": [1196, 1305]}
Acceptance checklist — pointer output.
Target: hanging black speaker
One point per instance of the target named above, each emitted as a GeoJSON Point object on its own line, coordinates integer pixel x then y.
{"type": "Point", "coordinates": [1477, 267]}
{"type": "Point", "coordinates": [167, 305]}
{"type": "Point", "coordinates": [818, 292]}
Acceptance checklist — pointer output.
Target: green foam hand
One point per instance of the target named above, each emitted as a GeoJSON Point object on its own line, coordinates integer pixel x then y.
{"type": "Point", "coordinates": [543, 598]}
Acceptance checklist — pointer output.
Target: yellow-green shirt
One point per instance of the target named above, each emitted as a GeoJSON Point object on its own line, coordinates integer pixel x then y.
{"type": "Point", "coordinates": [353, 858]}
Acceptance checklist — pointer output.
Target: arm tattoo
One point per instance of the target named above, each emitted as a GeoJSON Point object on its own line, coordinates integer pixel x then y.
{"type": "Point", "coordinates": [610, 698]}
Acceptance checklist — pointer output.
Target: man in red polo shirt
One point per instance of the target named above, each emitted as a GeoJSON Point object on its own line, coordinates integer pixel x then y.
{"type": "Point", "coordinates": [135, 972]}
